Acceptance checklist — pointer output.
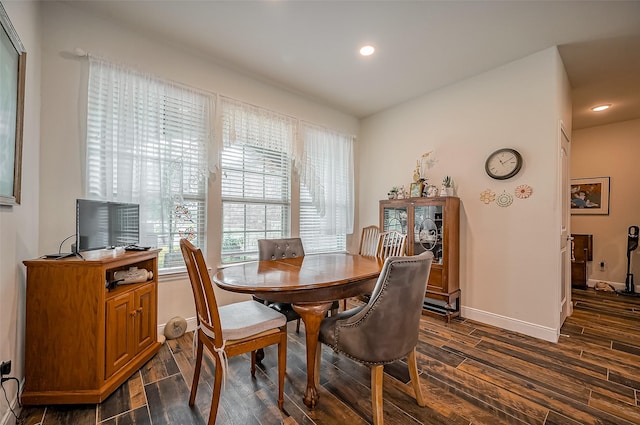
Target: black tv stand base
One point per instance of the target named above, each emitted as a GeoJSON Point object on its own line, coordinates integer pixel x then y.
{"type": "Point", "coordinates": [61, 255]}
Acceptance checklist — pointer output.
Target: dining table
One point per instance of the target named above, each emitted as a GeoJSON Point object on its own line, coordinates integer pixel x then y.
{"type": "Point", "coordinates": [311, 284]}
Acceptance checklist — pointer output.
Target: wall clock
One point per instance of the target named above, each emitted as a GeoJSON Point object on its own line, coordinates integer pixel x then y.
{"type": "Point", "coordinates": [503, 164]}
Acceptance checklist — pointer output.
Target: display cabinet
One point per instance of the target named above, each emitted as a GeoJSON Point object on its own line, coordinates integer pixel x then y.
{"type": "Point", "coordinates": [431, 224]}
{"type": "Point", "coordinates": [83, 337]}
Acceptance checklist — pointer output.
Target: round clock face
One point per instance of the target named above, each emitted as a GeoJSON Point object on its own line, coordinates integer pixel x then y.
{"type": "Point", "coordinates": [503, 164]}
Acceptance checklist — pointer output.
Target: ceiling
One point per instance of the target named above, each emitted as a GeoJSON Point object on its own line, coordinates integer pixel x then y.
{"type": "Point", "coordinates": [311, 47]}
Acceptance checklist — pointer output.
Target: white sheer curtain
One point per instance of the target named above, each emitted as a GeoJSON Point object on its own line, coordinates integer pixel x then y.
{"type": "Point", "coordinates": [326, 172]}
{"type": "Point", "coordinates": [251, 125]}
{"type": "Point", "coordinates": [148, 143]}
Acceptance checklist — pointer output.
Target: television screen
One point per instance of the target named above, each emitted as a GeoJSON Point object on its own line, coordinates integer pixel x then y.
{"type": "Point", "coordinates": [103, 224]}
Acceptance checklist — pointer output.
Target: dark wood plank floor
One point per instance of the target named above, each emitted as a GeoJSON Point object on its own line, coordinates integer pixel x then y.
{"type": "Point", "coordinates": [471, 374]}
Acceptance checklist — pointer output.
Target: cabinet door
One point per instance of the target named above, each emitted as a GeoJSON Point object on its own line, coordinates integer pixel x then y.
{"type": "Point", "coordinates": [145, 317]}
{"type": "Point", "coordinates": [119, 332]}
{"type": "Point", "coordinates": [428, 231]}
{"type": "Point", "coordinates": [395, 218]}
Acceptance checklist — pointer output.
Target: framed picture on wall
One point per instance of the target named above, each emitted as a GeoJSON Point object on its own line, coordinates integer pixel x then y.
{"type": "Point", "coordinates": [13, 59]}
{"type": "Point", "coordinates": [590, 196]}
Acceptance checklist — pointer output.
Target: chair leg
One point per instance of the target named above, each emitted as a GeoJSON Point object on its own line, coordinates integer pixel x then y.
{"type": "Point", "coordinates": [415, 379]}
{"type": "Point", "coordinates": [253, 364]}
{"type": "Point", "coordinates": [298, 326]}
{"type": "Point", "coordinates": [344, 305]}
{"type": "Point", "coordinates": [217, 387]}
{"type": "Point", "coordinates": [377, 373]}
{"type": "Point", "coordinates": [196, 371]}
{"type": "Point", "coordinates": [282, 367]}
{"type": "Point", "coordinates": [259, 355]}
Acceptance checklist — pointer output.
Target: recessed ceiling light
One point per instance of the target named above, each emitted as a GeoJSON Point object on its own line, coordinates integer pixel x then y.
{"type": "Point", "coordinates": [601, 107]}
{"type": "Point", "coordinates": [367, 50]}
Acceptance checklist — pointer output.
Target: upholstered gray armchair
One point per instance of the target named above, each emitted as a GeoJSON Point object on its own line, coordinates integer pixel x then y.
{"type": "Point", "coordinates": [276, 249]}
{"type": "Point", "coordinates": [386, 328]}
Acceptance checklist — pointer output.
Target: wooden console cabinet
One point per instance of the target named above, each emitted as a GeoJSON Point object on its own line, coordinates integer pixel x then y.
{"type": "Point", "coordinates": [431, 224]}
{"type": "Point", "coordinates": [83, 340]}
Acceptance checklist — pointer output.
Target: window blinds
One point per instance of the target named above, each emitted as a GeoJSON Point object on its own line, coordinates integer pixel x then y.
{"type": "Point", "coordinates": [147, 142]}
{"type": "Point", "coordinates": [256, 177]}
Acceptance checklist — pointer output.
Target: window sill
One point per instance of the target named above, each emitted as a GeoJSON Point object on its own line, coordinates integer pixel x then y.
{"type": "Point", "coordinates": [178, 273]}
{"type": "Point", "coordinates": [175, 274]}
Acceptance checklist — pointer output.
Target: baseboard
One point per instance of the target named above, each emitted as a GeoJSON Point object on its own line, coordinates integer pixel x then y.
{"type": "Point", "coordinates": [191, 326]}
{"type": "Point", "coordinates": [511, 324]}
{"type": "Point", "coordinates": [8, 418]}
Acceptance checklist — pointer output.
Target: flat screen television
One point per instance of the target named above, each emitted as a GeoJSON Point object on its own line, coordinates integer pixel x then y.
{"type": "Point", "coordinates": [104, 224]}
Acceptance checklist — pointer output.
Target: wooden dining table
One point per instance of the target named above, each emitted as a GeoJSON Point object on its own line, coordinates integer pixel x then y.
{"type": "Point", "coordinates": [311, 283]}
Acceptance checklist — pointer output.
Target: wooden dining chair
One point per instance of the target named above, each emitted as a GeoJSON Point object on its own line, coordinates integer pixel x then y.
{"type": "Point", "coordinates": [368, 246]}
{"type": "Point", "coordinates": [230, 330]}
{"type": "Point", "coordinates": [386, 329]}
{"type": "Point", "coordinates": [369, 241]}
{"type": "Point", "coordinates": [391, 244]}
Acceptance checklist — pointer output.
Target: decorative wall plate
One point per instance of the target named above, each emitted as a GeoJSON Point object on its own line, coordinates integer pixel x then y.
{"type": "Point", "coordinates": [523, 191]}
{"type": "Point", "coordinates": [504, 199]}
{"type": "Point", "coordinates": [487, 196]}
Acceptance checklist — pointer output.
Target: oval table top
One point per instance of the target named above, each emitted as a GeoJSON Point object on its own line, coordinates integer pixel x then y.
{"type": "Point", "coordinates": [312, 278]}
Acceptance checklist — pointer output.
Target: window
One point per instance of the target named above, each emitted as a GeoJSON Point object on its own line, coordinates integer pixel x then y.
{"type": "Point", "coordinates": [147, 143]}
{"type": "Point", "coordinates": [326, 189]}
{"type": "Point", "coordinates": [256, 178]}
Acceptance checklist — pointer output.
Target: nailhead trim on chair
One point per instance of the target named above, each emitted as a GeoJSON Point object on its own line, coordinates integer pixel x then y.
{"type": "Point", "coordinates": [284, 253]}
{"type": "Point", "coordinates": [357, 324]}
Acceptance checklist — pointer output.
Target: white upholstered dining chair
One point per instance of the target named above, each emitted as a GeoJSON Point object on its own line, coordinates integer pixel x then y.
{"type": "Point", "coordinates": [230, 330]}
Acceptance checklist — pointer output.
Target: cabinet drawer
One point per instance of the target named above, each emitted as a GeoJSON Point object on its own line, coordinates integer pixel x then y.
{"type": "Point", "coordinates": [435, 279]}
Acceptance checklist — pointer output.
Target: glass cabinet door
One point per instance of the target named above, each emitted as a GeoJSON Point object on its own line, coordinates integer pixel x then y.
{"type": "Point", "coordinates": [395, 218]}
{"type": "Point", "coordinates": [428, 231]}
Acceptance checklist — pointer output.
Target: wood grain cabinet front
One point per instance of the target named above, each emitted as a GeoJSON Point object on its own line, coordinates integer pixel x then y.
{"type": "Point", "coordinates": [129, 326]}
{"type": "Point", "coordinates": [82, 340]}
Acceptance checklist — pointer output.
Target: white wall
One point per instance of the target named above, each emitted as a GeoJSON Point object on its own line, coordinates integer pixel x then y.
{"type": "Point", "coordinates": [614, 151]}
{"type": "Point", "coordinates": [19, 223]}
{"type": "Point", "coordinates": [64, 82]}
{"type": "Point", "coordinates": [510, 263]}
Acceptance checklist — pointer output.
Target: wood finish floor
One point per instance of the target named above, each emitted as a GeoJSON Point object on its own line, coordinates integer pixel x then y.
{"type": "Point", "coordinates": [471, 374]}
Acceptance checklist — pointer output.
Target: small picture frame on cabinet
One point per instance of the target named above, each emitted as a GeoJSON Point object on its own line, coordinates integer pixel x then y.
{"type": "Point", "coordinates": [416, 190]}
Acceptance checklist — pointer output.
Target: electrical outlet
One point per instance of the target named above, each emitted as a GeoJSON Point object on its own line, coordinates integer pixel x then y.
{"type": "Point", "coordinates": [5, 368]}
{"type": "Point", "coordinates": [602, 265]}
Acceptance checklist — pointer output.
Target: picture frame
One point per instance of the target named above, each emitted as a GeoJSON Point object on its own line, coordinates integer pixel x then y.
{"type": "Point", "coordinates": [13, 60]}
{"type": "Point", "coordinates": [415, 190]}
{"type": "Point", "coordinates": [590, 196]}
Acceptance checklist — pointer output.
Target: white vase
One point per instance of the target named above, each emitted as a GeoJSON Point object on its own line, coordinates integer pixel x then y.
{"type": "Point", "coordinates": [446, 191]}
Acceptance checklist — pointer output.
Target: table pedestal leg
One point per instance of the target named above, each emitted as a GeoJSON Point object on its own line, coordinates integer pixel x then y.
{"type": "Point", "coordinates": [312, 315]}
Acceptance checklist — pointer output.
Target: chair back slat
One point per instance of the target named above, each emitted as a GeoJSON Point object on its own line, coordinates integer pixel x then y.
{"type": "Point", "coordinates": [391, 244]}
{"type": "Point", "coordinates": [203, 293]}
{"type": "Point", "coordinates": [369, 241]}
